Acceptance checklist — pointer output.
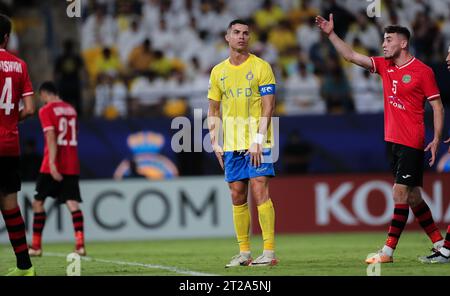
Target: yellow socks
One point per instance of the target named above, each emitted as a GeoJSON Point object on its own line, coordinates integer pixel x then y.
{"type": "Point", "coordinates": [266, 215]}
{"type": "Point", "coordinates": [241, 220]}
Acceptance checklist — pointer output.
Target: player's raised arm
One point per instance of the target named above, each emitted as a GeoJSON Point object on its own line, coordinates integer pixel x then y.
{"type": "Point", "coordinates": [343, 48]}
{"type": "Point", "coordinates": [214, 127]}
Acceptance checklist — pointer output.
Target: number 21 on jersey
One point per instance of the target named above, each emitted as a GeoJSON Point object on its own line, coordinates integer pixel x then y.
{"type": "Point", "coordinates": [63, 128]}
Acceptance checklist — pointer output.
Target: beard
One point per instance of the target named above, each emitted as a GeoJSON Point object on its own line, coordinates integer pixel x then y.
{"type": "Point", "coordinates": [393, 55]}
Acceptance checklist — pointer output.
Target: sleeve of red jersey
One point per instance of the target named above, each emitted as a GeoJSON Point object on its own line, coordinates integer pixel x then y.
{"type": "Point", "coordinates": [429, 86]}
{"type": "Point", "coordinates": [46, 120]}
{"type": "Point", "coordinates": [378, 64]}
{"type": "Point", "coordinates": [27, 87]}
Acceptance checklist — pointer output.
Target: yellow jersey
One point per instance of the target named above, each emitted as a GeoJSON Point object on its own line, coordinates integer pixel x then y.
{"type": "Point", "coordinates": [239, 89]}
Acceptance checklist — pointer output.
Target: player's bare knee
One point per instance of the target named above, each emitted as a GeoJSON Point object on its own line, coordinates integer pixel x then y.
{"type": "Point", "coordinates": [415, 197]}
{"type": "Point", "coordinates": [400, 193]}
{"type": "Point", "coordinates": [239, 197]}
{"type": "Point", "coordinates": [38, 206]}
{"type": "Point", "coordinates": [72, 205]}
{"type": "Point", "coordinates": [8, 201]}
{"type": "Point", "coordinates": [259, 189]}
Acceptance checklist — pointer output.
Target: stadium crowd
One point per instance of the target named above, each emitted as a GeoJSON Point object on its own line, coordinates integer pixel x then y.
{"type": "Point", "coordinates": [153, 57]}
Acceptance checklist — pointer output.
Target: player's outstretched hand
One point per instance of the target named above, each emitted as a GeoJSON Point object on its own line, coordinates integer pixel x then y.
{"type": "Point", "coordinates": [432, 147]}
{"type": "Point", "coordinates": [326, 26]}
{"type": "Point", "coordinates": [219, 154]}
{"type": "Point", "coordinates": [55, 174]}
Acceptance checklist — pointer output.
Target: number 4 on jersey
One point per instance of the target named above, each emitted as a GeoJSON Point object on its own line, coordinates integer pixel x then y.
{"type": "Point", "coordinates": [6, 98]}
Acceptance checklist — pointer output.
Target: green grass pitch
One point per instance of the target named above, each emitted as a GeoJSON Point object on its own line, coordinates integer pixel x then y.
{"type": "Point", "coordinates": [315, 254]}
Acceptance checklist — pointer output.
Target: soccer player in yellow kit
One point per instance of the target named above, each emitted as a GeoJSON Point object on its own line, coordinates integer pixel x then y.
{"type": "Point", "coordinates": [244, 86]}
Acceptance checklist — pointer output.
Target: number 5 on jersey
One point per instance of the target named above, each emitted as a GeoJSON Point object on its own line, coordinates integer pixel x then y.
{"type": "Point", "coordinates": [394, 89]}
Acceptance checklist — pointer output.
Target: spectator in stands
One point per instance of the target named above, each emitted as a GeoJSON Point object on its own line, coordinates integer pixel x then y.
{"type": "Point", "coordinates": [302, 93]}
{"type": "Point", "coordinates": [109, 63]}
{"type": "Point", "coordinates": [162, 39]}
{"type": "Point", "coordinates": [268, 16]}
{"type": "Point", "coordinates": [365, 31]}
{"type": "Point", "coordinates": [129, 39]}
{"type": "Point", "coordinates": [198, 90]}
{"type": "Point", "coordinates": [99, 30]}
{"type": "Point", "coordinates": [161, 65]}
{"type": "Point", "coordinates": [177, 89]}
{"type": "Point", "coordinates": [320, 53]}
{"type": "Point", "coordinates": [307, 35]}
{"type": "Point", "coordinates": [222, 17]}
{"type": "Point", "coordinates": [147, 93]}
{"type": "Point", "coordinates": [243, 9]}
{"type": "Point", "coordinates": [340, 13]}
{"type": "Point", "coordinates": [205, 17]}
{"type": "Point", "coordinates": [302, 14]}
{"type": "Point", "coordinates": [336, 90]}
{"type": "Point", "coordinates": [393, 13]}
{"type": "Point", "coordinates": [366, 91]}
{"type": "Point", "coordinates": [68, 72]}
{"type": "Point", "coordinates": [425, 35]}
{"type": "Point", "coordinates": [264, 49]}
{"type": "Point", "coordinates": [110, 97]}
{"type": "Point", "coordinates": [150, 14]}
{"type": "Point", "coordinates": [282, 36]}
{"type": "Point", "coordinates": [141, 57]}
{"type": "Point", "coordinates": [188, 41]}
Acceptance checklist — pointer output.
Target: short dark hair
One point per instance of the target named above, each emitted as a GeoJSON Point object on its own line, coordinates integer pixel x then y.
{"type": "Point", "coordinates": [399, 30]}
{"type": "Point", "coordinates": [238, 21]}
{"type": "Point", "coordinates": [49, 87]}
{"type": "Point", "coordinates": [5, 27]}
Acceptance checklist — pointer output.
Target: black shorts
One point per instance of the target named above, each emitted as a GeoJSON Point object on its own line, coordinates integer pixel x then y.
{"type": "Point", "coordinates": [406, 164]}
{"type": "Point", "coordinates": [9, 174]}
{"type": "Point", "coordinates": [67, 189]}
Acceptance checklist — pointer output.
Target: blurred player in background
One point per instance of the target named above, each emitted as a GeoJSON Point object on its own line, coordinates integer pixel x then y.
{"type": "Point", "coordinates": [245, 87]}
{"type": "Point", "coordinates": [60, 169]}
{"type": "Point", "coordinates": [15, 85]}
{"type": "Point", "coordinates": [443, 254]}
{"type": "Point", "coordinates": [407, 84]}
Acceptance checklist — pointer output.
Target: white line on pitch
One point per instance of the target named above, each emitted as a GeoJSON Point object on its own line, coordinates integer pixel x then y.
{"type": "Point", "coordinates": [149, 266]}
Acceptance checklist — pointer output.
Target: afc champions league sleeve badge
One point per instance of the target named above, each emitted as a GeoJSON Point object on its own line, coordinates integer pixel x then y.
{"type": "Point", "coordinates": [249, 76]}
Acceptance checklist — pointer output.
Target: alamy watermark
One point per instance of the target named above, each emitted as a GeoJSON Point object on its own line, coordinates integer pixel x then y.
{"type": "Point", "coordinates": [374, 8]}
{"type": "Point", "coordinates": [74, 8]}
{"type": "Point", "coordinates": [238, 130]}
{"type": "Point", "coordinates": [373, 269]}
{"type": "Point", "coordinates": [74, 266]}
